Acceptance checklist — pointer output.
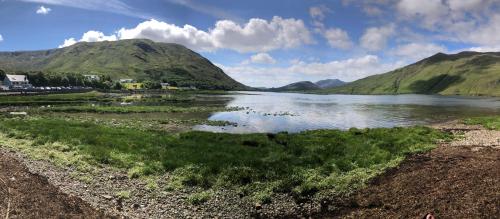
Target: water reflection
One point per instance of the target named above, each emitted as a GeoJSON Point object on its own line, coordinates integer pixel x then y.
{"type": "Point", "coordinates": [276, 112]}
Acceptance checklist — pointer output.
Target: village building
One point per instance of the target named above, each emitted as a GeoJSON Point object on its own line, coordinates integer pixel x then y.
{"type": "Point", "coordinates": [164, 86]}
{"type": "Point", "coordinates": [127, 80]}
{"type": "Point", "coordinates": [92, 77]}
{"type": "Point", "coordinates": [16, 82]}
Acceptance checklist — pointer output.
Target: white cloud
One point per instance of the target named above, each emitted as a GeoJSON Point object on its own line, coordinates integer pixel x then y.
{"type": "Point", "coordinates": [429, 11]}
{"type": "Point", "coordinates": [481, 49]}
{"type": "Point", "coordinates": [319, 12]}
{"type": "Point", "coordinates": [90, 36]}
{"type": "Point", "coordinates": [347, 70]}
{"type": "Point", "coordinates": [338, 38]}
{"type": "Point", "coordinates": [68, 42]}
{"type": "Point", "coordinates": [486, 34]}
{"type": "Point", "coordinates": [96, 36]}
{"type": "Point", "coordinates": [1, 38]}
{"type": "Point", "coordinates": [465, 5]}
{"type": "Point", "coordinates": [260, 58]}
{"type": "Point", "coordinates": [43, 10]}
{"type": "Point", "coordinates": [417, 51]}
{"type": "Point", "coordinates": [257, 35]}
{"type": "Point", "coordinates": [375, 38]}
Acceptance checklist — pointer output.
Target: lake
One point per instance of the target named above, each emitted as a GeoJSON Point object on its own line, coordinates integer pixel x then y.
{"type": "Point", "coordinates": [292, 112]}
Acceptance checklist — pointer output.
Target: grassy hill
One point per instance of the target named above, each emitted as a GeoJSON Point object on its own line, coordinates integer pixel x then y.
{"type": "Point", "coordinates": [330, 83]}
{"type": "Point", "coordinates": [298, 86]}
{"type": "Point", "coordinates": [137, 59]}
{"type": "Point", "coordinates": [466, 73]}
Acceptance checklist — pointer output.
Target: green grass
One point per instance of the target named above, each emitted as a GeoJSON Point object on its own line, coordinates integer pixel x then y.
{"type": "Point", "coordinates": [130, 109]}
{"type": "Point", "coordinates": [93, 96]}
{"type": "Point", "coordinates": [259, 165]}
{"type": "Point", "coordinates": [491, 122]}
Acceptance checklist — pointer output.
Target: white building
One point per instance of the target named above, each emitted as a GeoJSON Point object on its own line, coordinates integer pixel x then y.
{"type": "Point", "coordinates": [127, 80]}
{"type": "Point", "coordinates": [16, 81]}
{"type": "Point", "coordinates": [92, 77]}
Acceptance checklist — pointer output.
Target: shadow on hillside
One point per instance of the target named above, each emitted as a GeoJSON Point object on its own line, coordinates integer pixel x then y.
{"type": "Point", "coordinates": [435, 84]}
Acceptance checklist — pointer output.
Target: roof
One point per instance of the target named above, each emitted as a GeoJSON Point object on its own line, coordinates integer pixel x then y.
{"type": "Point", "coordinates": [17, 77]}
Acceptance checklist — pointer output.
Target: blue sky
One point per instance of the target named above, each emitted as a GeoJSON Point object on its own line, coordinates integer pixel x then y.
{"type": "Point", "coordinates": [266, 42]}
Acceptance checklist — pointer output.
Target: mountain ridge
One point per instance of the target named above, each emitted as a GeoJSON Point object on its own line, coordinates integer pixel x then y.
{"type": "Point", "coordinates": [465, 73]}
{"type": "Point", "coordinates": [139, 59]}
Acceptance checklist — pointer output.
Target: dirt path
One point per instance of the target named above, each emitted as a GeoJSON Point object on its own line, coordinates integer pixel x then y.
{"type": "Point", "coordinates": [26, 195]}
{"type": "Point", "coordinates": [456, 180]}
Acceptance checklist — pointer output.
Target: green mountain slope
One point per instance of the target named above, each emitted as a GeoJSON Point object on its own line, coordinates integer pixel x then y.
{"type": "Point", "coordinates": [136, 59]}
{"type": "Point", "coordinates": [298, 86]}
{"type": "Point", "coordinates": [466, 73]}
{"type": "Point", "coordinates": [330, 83]}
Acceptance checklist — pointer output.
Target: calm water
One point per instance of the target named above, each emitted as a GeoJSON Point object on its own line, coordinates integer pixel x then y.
{"type": "Point", "coordinates": [276, 112]}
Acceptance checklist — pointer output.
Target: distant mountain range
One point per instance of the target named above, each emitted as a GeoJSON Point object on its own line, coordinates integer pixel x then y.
{"type": "Point", "coordinates": [309, 86]}
{"type": "Point", "coordinates": [465, 73]}
{"type": "Point", "coordinates": [137, 59]}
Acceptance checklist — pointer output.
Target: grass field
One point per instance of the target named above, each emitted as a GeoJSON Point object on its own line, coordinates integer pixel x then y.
{"type": "Point", "coordinates": [491, 122]}
{"type": "Point", "coordinates": [306, 164]}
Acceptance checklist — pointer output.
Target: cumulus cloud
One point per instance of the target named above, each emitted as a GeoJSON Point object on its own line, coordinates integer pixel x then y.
{"type": "Point", "coordinates": [1, 38]}
{"type": "Point", "coordinates": [319, 12]}
{"type": "Point", "coordinates": [338, 38]}
{"type": "Point", "coordinates": [257, 35]}
{"type": "Point", "coordinates": [260, 58]}
{"type": "Point", "coordinates": [68, 42]}
{"type": "Point", "coordinates": [347, 70]}
{"type": "Point", "coordinates": [485, 34]}
{"type": "Point", "coordinates": [43, 10]}
{"type": "Point", "coordinates": [90, 36]}
{"type": "Point", "coordinates": [417, 51]}
{"type": "Point", "coordinates": [375, 38]}
{"type": "Point", "coordinates": [429, 11]}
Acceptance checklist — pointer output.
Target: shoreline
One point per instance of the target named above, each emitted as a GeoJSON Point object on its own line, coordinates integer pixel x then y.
{"type": "Point", "coordinates": [102, 195]}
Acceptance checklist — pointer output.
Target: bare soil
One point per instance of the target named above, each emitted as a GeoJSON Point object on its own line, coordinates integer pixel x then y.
{"type": "Point", "coordinates": [26, 195]}
{"type": "Point", "coordinates": [460, 179]}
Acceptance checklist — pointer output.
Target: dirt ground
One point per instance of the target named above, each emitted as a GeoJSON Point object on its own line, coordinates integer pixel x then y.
{"type": "Point", "coordinates": [26, 195]}
{"type": "Point", "coordinates": [460, 179]}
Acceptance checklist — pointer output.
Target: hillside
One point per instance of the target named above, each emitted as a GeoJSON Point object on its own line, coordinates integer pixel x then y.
{"type": "Point", "coordinates": [466, 73]}
{"type": "Point", "coordinates": [330, 83]}
{"type": "Point", "coordinates": [136, 59]}
{"type": "Point", "coordinates": [298, 86]}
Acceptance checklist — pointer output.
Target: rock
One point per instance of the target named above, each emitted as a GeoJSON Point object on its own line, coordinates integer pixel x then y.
{"type": "Point", "coordinates": [135, 206]}
{"type": "Point", "coordinates": [258, 206]}
{"type": "Point", "coordinates": [107, 197]}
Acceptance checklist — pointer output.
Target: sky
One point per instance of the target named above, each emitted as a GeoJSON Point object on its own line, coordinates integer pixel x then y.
{"type": "Point", "coordinates": [266, 43]}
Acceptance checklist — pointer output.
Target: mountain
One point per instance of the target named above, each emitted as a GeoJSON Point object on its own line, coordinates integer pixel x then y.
{"type": "Point", "coordinates": [330, 83]}
{"type": "Point", "coordinates": [137, 59]}
{"type": "Point", "coordinates": [465, 73]}
{"type": "Point", "coordinates": [298, 86]}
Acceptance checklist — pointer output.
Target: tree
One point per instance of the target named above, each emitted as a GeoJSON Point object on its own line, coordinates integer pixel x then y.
{"type": "Point", "coordinates": [117, 86]}
{"type": "Point", "coordinates": [2, 75]}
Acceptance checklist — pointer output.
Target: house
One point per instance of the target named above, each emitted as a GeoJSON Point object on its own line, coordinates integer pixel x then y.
{"type": "Point", "coordinates": [164, 86]}
{"type": "Point", "coordinates": [126, 80]}
{"type": "Point", "coordinates": [133, 86]}
{"type": "Point", "coordinates": [16, 81]}
{"type": "Point", "coordinates": [92, 77]}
